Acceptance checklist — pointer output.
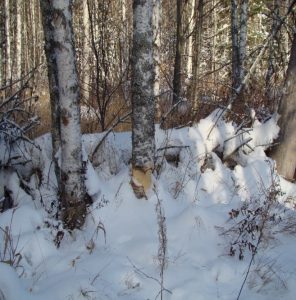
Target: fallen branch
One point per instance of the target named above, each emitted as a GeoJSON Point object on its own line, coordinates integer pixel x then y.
{"type": "Point", "coordinates": [171, 147]}
{"type": "Point", "coordinates": [243, 143]}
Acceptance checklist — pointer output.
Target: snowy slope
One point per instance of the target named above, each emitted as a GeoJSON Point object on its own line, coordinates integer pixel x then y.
{"type": "Point", "coordinates": [117, 255]}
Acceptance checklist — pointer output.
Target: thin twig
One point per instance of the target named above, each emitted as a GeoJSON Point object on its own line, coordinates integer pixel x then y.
{"type": "Point", "coordinates": [139, 271]}
{"type": "Point", "coordinates": [121, 119]}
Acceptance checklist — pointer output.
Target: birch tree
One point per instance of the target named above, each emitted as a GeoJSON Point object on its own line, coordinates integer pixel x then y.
{"type": "Point", "coordinates": [272, 48]}
{"type": "Point", "coordinates": [143, 104]}
{"type": "Point", "coordinates": [190, 39]}
{"type": "Point", "coordinates": [199, 11]}
{"type": "Point", "coordinates": [7, 41]}
{"type": "Point", "coordinates": [239, 17]}
{"type": "Point", "coordinates": [285, 153]}
{"type": "Point", "coordinates": [86, 52]}
{"type": "Point", "coordinates": [243, 38]}
{"type": "Point", "coordinates": [18, 53]}
{"type": "Point", "coordinates": [235, 45]}
{"type": "Point", "coordinates": [63, 83]}
{"type": "Point", "coordinates": [124, 48]}
{"type": "Point", "coordinates": [156, 19]}
{"type": "Point", "coordinates": [2, 34]}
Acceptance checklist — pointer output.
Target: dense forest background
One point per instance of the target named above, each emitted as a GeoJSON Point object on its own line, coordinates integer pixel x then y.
{"type": "Point", "coordinates": [197, 41]}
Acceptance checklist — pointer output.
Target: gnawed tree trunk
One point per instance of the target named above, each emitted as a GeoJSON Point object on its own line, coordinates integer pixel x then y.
{"type": "Point", "coordinates": [63, 81]}
{"type": "Point", "coordinates": [143, 104]}
{"type": "Point", "coordinates": [285, 153]}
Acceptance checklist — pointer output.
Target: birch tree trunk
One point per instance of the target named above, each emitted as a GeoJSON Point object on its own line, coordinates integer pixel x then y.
{"type": "Point", "coordinates": [35, 33]}
{"type": "Point", "coordinates": [243, 38]}
{"type": "Point", "coordinates": [2, 34]}
{"type": "Point", "coordinates": [190, 39]}
{"type": "Point", "coordinates": [143, 104]}
{"type": "Point", "coordinates": [86, 52]}
{"type": "Point", "coordinates": [285, 153]}
{"type": "Point", "coordinates": [272, 53]}
{"type": "Point", "coordinates": [156, 18]}
{"type": "Point", "coordinates": [63, 82]}
{"type": "Point", "coordinates": [52, 70]}
{"type": "Point", "coordinates": [197, 52]}
{"type": "Point", "coordinates": [235, 45]}
{"type": "Point", "coordinates": [124, 45]}
{"type": "Point", "coordinates": [214, 41]}
{"type": "Point", "coordinates": [7, 41]}
{"type": "Point", "coordinates": [18, 52]}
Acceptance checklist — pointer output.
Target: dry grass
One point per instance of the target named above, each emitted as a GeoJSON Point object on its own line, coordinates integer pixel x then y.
{"type": "Point", "coordinates": [210, 97]}
{"type": "Point", "coordinates": [89, 120]}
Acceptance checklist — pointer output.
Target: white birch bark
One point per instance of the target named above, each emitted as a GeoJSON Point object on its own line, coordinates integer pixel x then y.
{"type": "Point", "coordinates": [60, 54]}
{"type": "Point", "coordinates": [235, 45]}
{"type": "Point", "coordinates": [214, 42]}
{"type": "Point", "coordinates": [143, 104]}
{"type": "Point", "coordinates": [1, 52]}
{"type": "Point", "coordinates": [190, 39]}
{"type": "Point", "coordinates": [124, 40]}
{"type": "Point", "coordinates": [272, 50]}
{"type": "Point", "coordinates": [7, 41]}
{"type": "Point", "coordinates": [18, 52]}
{"type": "Point", "coordinates": [199, 4]}
{"type": "Point", "coordinates": [243, 38]}
{"type": "Point", "coordinates": [156, 19]}
{"type": "Point", "coordinates": [34, 32]}
{"type": "Point", "coordinates": [86, 51]}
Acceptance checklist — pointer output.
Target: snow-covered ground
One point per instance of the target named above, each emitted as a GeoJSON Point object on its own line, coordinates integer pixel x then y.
{"type": "Point", "coordinates": [198, 207]}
